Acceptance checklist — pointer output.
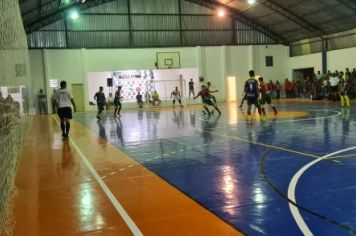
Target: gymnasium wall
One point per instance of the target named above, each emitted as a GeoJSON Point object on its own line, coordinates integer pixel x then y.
{"type": "Point", "coordinates": [341, 59]}
{"type": "Point", "coordinates": [214, 64]}
{"type": "Point", "coordinates": [311, 60]}
{"type": "Point", "coordinates": [336, 60]}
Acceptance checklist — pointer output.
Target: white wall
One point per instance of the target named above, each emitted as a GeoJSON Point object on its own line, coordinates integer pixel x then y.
{"type": "Point", "coordinates": [37, 74]}
{"type": "Point", "coordinates": [214, 64]}
{"type": "Point", "coordinates": [308, 61]}
{"type": "Point", "coordinates": [279, 69]}
{"type": "Point", "coordinates": [341, 59]}
{"type": "Point", "coordinates": [336, 60]}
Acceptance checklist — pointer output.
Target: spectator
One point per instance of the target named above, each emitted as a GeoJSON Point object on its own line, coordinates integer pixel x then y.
{"type": "Point", "coordinates": [139, 100]}
{"type": "Point", "coordinates": [155, 98]}
{"type": "Point", "coordinates": [334, 81]}
{"type": "Point", "coordinates": [53, 101]}
{"type": "Point", "coordinates": [277, 87]}
{"type": "Point", "coordinates": [270, 88]}
{"type": "Point", "coordinates": [288, 88]}
{"type": "Point", "coordinates": [42, 100]}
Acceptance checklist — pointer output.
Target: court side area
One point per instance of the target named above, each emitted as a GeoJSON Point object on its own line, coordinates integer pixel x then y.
{"type": "Point", "coordinates": [174, 171]}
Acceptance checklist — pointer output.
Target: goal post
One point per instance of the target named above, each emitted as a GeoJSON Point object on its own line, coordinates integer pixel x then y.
{"type": "Point", "coordinates": [164, 89]}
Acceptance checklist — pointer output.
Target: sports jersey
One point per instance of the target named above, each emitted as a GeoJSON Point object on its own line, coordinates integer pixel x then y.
{"type": "Point", "coordinates": [191, 85]}
{"type": "Point", "coordinates": [100, 97]}
{"type": "Point", "coordinates": [63, 97]}
{"type": "Point", "coordinates": [263, 89]}
{"type": "Point", "coordinates": [176, 94]}
{"type": "Point", "coordinates": [251, 88]}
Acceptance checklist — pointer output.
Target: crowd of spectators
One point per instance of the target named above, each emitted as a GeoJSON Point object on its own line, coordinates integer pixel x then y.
{"type": "Point", "coordinates": [9, 111]}
{"type": "Point", "coordinates": [317, 86]}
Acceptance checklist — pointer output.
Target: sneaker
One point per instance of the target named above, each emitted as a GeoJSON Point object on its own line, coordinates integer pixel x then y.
{"type": "Point", "coordinates": [98, 117]}
{"type": "Point", "coordinates": [63, 135]}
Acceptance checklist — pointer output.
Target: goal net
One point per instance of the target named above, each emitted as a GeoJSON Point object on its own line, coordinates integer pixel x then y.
{"type": "Point", "coordinates": [164, 88]}
{"type": "Point", "coordinates": [14, 100]}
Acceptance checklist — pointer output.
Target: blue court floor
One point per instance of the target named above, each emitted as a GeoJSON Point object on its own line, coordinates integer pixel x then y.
{"type": "Point", "coordinates": [269, 178]}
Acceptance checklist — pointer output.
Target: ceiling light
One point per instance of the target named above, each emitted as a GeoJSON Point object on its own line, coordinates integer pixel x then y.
{"type": "Point", "coordinates": [251, 1]}
{"type": "Point", "coordinates": [74, 15]}
{"type": "Point", "coordinates": [221, 13]}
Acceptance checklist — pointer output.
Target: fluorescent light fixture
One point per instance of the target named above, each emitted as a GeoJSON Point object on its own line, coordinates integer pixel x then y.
{"type": "Point", "coordinates": [251, 1]}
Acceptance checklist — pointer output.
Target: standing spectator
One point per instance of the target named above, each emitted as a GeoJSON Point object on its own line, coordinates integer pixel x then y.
{"type": "Point", "coordinates": [64, 99]}
{"type": "Point", "coordinates": [54, 108]}
{"type": "Point", "coordinates": [270, 88]}
{"type": "Point", "coordinates": [277, 87]}
{"type": "Point", "coordinates": [139, 100]}
{"type": "Point", "coordinates": [42, 99]}
{"type": "Point", "coordinates": [299, 87]}
{"type": "Point", "coordinates": [318, 76]}
{"type": "Point", "coordinates": [325, 85]}
{"type": "Point", "coordinates": [191, 88]}
{"type": "Point", "coordinates": [26, 105]}
{"type": "Point", "coordinates": [287, 87]}
{"type": "Point", "coordinates": [353, 82]}
{"type": "Point", "coordinates": [334, 81]}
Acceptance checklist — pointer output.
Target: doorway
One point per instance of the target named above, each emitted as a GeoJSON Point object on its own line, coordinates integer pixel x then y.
{"type": "Point", "coordinates": [78, 94]}
{"type": "Point", "coordinates": [302, 73]}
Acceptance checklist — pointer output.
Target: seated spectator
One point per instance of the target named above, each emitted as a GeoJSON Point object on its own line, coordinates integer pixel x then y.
{"type": "Point", "coordinates": [155, 98]}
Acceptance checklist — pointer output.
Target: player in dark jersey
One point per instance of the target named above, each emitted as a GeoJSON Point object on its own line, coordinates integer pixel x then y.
{"type": "Point", "coordinates": [100, 101]}
{"type": "Point", "coordinates": [191, 88]}
{"type": "Point", "coordinates": [206, 98]}
{"type": "Point", "coordinates": [244, 97]}
{"type": "Point", "coordinates": [117, 102]}
{"type": "Point", "coordinates": [265, 97]}
{"type": "Point", "coordinates": [252, 93]}
{"type": "Point", "coordinates": [211, 91]}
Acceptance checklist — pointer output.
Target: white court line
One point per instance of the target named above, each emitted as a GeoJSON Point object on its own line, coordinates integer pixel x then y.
{"type": "Point", "coordinates": [130, 223]}
{"type": "Point", "coordinates": [285, 120]}
{"type": "Point", "coordinates": [292, 186]}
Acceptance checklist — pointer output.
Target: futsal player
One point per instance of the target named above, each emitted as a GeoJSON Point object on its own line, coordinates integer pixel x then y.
{"type": "Point", "coordinates": [345, 101]}
{"type": "Point", "coordinates": [211, 91]}
{"type": "Point", "coordinates": [265, 97]}
{"type": "Point", "coordinates": [191, 87]}
{"type": "Point", "coordinates": [64, 100]}
{"type": "Point", "coordinates": [206, 98]}
{"type": "Point", "coordinates": [252, 93]}
{"type": "Point", "coordinates": [244, 97]}
{"type": "Point", "coordinates": [176, 96]}
{"type": "Point", "coordinates": [117, 102]}
{"type": "Point", "coordinates": [100, 99]}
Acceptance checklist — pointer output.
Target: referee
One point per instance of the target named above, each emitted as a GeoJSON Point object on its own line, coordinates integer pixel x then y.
{"type": "Point", "coordinates": [64, 100]}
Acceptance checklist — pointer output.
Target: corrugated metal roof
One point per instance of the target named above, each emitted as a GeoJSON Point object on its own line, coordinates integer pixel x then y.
{"type": "Point", "coordinates": [290, 19]}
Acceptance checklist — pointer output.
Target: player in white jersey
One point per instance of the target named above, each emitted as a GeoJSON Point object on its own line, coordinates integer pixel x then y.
{"type": "Point", "coordinates": [64, 101]}
{"type": "Point", "coordinates": [176, 96]}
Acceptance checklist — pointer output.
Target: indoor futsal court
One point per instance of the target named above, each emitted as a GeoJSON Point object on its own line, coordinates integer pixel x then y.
{"type": "Point", "coordinates": [177, 117]}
